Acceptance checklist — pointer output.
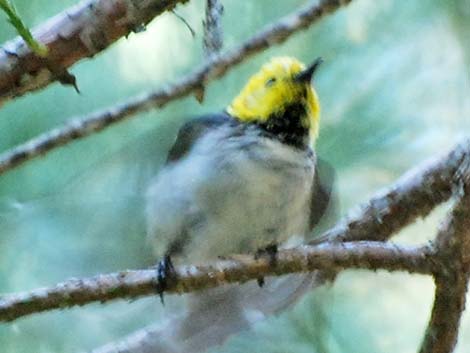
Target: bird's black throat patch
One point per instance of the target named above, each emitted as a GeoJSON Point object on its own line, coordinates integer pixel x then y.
{"type": "Point", "coordinates": [287, 126]}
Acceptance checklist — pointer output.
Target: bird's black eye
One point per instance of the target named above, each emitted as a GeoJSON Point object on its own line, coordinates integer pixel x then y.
{"type": "Point", "coordinates": [270, 82]}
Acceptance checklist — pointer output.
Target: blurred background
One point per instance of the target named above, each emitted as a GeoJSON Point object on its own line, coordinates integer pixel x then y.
{"type": "Point", "coordinates": [395, 91]}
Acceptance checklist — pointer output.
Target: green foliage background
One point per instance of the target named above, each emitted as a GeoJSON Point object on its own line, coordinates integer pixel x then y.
{"type": "Point", "coordinates": [395, 91]}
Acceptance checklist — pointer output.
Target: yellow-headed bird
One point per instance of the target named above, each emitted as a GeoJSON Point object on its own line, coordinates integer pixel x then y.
{"type": "Point", "coordinates": [237, 182]}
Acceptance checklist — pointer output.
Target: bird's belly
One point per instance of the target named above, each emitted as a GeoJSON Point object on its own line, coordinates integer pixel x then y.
{"type": "Point", "coordinates": [236, 202]}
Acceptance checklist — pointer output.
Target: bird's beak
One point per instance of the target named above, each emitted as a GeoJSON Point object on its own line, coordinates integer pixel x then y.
{"type": "Point", "coordinates": [307, 74]}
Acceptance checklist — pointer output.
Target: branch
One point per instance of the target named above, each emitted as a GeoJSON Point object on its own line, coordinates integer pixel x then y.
{"type": "Point", "coordinates": [79, 32]}
{"type": "Point", "coordinates": [216, 67]}
{"type": "Point", "coordinates": [213, 34]}
{"type": "Point", "coordinates": [449, 303]}
{"type": "Point", "coordinates": [451, 279]}
{"type": "Point", "coordinates": [414, 195]}
{"type": "Point", "coordinates": [132, 284]}
{"type": "Point", "coordinates": [431, 183]}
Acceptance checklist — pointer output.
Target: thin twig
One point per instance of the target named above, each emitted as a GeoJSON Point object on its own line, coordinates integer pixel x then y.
{"type": "Point", "coordinates": [132, 284]}
{"type": "Point", "coordinates": [186, 23]}
{"type": "Point", "coordinates": [80, 31]}
{"type": "Point", "coordinates": [451, 279]}
{"type": "Point", "coordinates": [16, 21]}
{"type": "Point", "coordinates": [213, 33]}
{"type": "Point", "coordinates": [216, 67]}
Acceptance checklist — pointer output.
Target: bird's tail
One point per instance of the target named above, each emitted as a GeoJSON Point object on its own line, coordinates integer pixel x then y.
{"type": "Point", "coordinates": [212, 316]}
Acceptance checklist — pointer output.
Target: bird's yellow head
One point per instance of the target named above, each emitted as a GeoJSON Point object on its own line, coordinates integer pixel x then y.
{"type": "Point", "coordinates": [278, 94]}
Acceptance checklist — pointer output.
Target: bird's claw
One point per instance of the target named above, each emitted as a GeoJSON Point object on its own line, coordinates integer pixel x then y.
{"type": "Point", "coordinates": [165, 273]}
{"type": "Point", "coordinates": [271, 251]}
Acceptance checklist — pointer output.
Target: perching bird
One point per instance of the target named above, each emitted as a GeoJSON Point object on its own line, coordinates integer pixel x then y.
{"type": "Point", "coordinates": [237, 182]}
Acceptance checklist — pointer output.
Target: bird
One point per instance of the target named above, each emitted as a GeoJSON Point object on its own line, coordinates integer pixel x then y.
{"type": "Point", "coordinates": [243, 180]}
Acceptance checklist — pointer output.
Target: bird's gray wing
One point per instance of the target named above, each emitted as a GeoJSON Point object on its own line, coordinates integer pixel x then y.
{"type": "Point", "coordinates": [188, 135]}
{"type": "Point", "coordinates": [324, 199]}
{"type": "Point", "coordinates": [191, 132]}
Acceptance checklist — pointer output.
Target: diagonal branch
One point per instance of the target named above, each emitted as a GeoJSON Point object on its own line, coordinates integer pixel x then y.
{"type": "Point", "coordinates": [79, 32]}
{"type": "Point", "coordinates": [132, 284]}
{"type": "Point", "coordinates": [451, 279]}
{"type": "Point", "coordinates": [414, 195]}
{"type": "Point", "coordinates": [194, 83]}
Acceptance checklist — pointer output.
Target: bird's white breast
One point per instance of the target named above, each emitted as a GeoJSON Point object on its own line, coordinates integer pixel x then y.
{"type": "Point", "coordinates": [231, 194]}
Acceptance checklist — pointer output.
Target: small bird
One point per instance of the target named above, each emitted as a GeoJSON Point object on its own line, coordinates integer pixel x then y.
{"type": "Point", "coordinates": [240, 181]}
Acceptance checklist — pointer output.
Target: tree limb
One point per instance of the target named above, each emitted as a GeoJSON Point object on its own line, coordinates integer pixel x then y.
{"type": "Point", "coordinates": [430, 183]}
{"type": "Point", "coordinates": [216, 67]}
{"type": "Point", "coordinates": [449, 303]}
{"type": "Point", "coordinates": [79, 32]}
{"type": "Point", "coordinates": [132, 284]}
{"type": "Point", "coordinates": [451, 279]}
{"type": "Point", "coordinates": [414, 195]}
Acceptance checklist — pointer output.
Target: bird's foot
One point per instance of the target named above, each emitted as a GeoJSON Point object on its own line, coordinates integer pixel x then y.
{"type": "Point", "coordinates": [271, 251]}
{"type": "Point", "coordinates": [165, 274]}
